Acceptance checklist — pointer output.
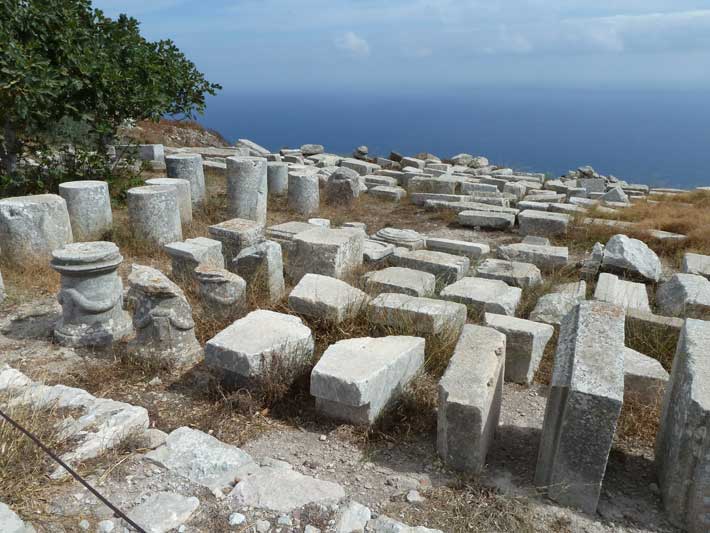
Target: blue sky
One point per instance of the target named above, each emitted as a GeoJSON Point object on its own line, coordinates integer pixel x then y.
{"type": "Point", "coordinates": [282, 45]}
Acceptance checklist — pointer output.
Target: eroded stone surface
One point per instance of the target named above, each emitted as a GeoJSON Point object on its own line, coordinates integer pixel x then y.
{"type": "Point", "coordinates": [684, 295]}
{"type": "Point", "coordinates": [447, 268]}
{"type": "Point", "coordinates": [631, 256]}
{"type": "Point", "coordinates": [625, 294]}
{"type": "Point", "coordinates": [326, 298]}
{"type": "Point", "coordinates": [513, 273]}
{"type": "Point", "coordinates": [484, 295]}
{"type": "Point", "coordinates": [401, 280]}
{"type": "Point", "coordinates": [421, 315]}
{"type": "Point", "coordinates": [330, 252]}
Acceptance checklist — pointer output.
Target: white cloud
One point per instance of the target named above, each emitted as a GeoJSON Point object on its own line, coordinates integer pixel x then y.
{"type": "Point", "coordinates": [353, 44]}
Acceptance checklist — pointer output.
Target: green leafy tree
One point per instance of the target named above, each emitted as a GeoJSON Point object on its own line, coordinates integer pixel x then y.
{"type": "Point", "coordinates": [62, 61]}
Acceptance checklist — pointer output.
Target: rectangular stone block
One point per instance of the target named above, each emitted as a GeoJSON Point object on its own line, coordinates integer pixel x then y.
{"type": "Point", "coordinates": [486, 219]}
{"type": "Point", "coordinates": [326, 298]}
{"type": "Point", "coordinates": [235, 235]}
{"type": "Point", "coordinates": [191, 253]}
{"type": "Point", "coordinates": [472, 250]}
{"type": "Point", "coordinates": [696, 264]}
{"type": "Point", "coordinates": [393, 194]}
{"type": "Point", "coordinates": [399, 280]}
{"type": "Point", "coordinates": [423, 316]}
{"type": "Point", "coordinates": [441, 185]}
{"type": "Point", "coordinates": [261, 265]}
{"type": "Point", "coordinates": [542, 223]}
{"type": "Point", "coordinates": [446, 267]}
{"type": "Point", "coordinates": [644, 378]}
{"type": "Point", "coordinates": [625, 294]}
{"type": "Point", "coordinates": [355, 379]}
{"type": "Point", "coordinates": [545, 257]}
{"type": "Point", "coordinates": [583, 405]}
{"type": "Point", "coordinates": [337, 253]}
{"type": "Point", "coordinates": [481, 295]}
{"type": "Point", "coordinates": [470, 394]}
{"type": "Point", "coordinates": [513, 273]}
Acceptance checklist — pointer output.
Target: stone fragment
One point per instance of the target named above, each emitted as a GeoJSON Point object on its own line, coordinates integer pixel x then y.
{"type": "Point", "coordinates": [440, 185]}
{"type": "Point", "coordinates": [592, 184]}
{"type": "Point", "coordinates": [394, 194]}
{"type": "Point", "coordinates": [374, 251]}
{"type": "Point", "coordinates": [91, 295]}
{"type": "Point", "coordinates": [583, 406]}
{"type": "Point", "coordinates": [472, 250]}
{"type": "Point", "coordinates": [322, 222]}
{"type": "Point", "coordinates": [162, 317]}
{"type": "Point", "coordinates": [247, 188]}
{"type": "Point", "coordinates": [303, 193]}
{"type": "Point", "coordinates": [222, 293]}
{"type": "Point", "coordinates": [343, 187]}
{"type": "Point", "coordinates": [11, 523]}
{"type": "Point", "coordinates": [191, 253]}
{"type": "Point", "coordinates": [356, 379]}
{"type": "Point", "coordinates": [353, 517]}
{"type": "Point", "coordinates": [513, 273]}
{"type": "Point", "coordinates": [486, 219]}
{"type": "Point", "coordinates": [399, 280]}
{"type": "Point", "coordinates": [326, 298]}
{"type": "Point", "coordinates": [384, 524]}
{"type": "Point", "coordinates": [252, 148]}
{"type": "Point", "coordinates": [625, 294]}
{"type": "Point", "coordinates": [447, 268]}
{"type": "Point", "coordinates": [164, 511]}
{"type": "Point", "coordinates": [481, 295]}
{"type": "Point", "coordinates": [331, 252]}
{"type": "Point", "coordinates": [696, 264]}
{"type": "Point", "coordinates": [525, 345]}
{"type": "Point", "coordinates": [89, 208]}
{"type": "Point", "coordinates": [31, 227]}
{"type": "Point", "coordinates": [405, 238]}
{"type": "Point", "coordinates": [616, 194]}
{"type": "Point", "coordinates": [684, 295]}
{"type": "Point", "coordinates": [201, 458]}
{"type": "Point", "coordinates": [551, 308]}
{"type": "Point", "coordinates": [154, 214]}
{"type": "Point", "coordinates": [286, 231]}
{"type": "Point", "coordinates": [184, 196]}
{"type": "Point", "coordinates": [277, 178]}
{"type": "Point", "coordinates": [470, 394]}
{"type": "Point", "coordinates": [631, 256]}
{"type": "Point", "coordinates": [682, 445]}
{"type": "Point", "coordinates": [645, 378]}
{"type": "Point", "coordinates": [261, 265]}
{"type": "Point", "coordinates": [258, 342]}
{"type": "Point", "coordinates": [235, 235]}
{"type": "Point", "coordinates": [312, 149]}
{"type": "Point", "coordinates": [423, 316]}
{"type": "Point", "coordinates": [188, 167]}
{"type": "Point", "coordinates": [545, 257]}
{"type": "Point", "coordinates": [542, 223]}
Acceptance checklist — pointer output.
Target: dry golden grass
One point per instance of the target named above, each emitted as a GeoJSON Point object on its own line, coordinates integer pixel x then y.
{"type": "Point", "coordinates": [29, 280]}
{"type": "Point", "coordinates": [655, 341]}
{"type": "Point", "coordinates": [162, 132]}
{"type": "Point", "coordinates": [639, 422]}
{"type": "Point", "coordinates": [531, 295]}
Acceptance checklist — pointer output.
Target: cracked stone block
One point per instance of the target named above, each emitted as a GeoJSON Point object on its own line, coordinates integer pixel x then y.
{"type": "Point", "coordinates": [525, 345]}
{"type": "Point", "coordinates": [583, 405]}
{"type": "Point", "coordinates": [682, 441]}
{"type": "Point", "coordinates": [470, 394]}
{"type": "Point", "coordinates": [545, 257]}
{"type": "Point", "coordinates": [374, 251]}
{"type": "Point", "coordinates": [542, 223]}
{"type": "Point", "coordinates": [481, 295]}
{"type": "Point", "coordinates": [187, 255]}
{"type": "Point", "coordinates": [356, 379]}
{"type": "Point", "coordinates": [623, 255]}
{"type": "Point", "coordinates": [684, 295]}
{"type": "Point", "coordinates": [253, 344]}
{"type": "Point", "coordinates": [696, 264]}
{"type": "Point", "coordinates": [440, 185]}
{"type": "Point", "coordinates": [625, 294]}
{"type": "Point", "coordinates": [512, 272]}
{"type": "Point", "coordinates": [423, 316]}
{"type": "Point", "coordinates": [486, 219]}
{"type": "Point", "coordinates": [326, 298]}
{"type": "Point", "coordinates": [644, 377]}
{"type": "Point", "coordinates": [472, 250]}
{"type": "Point", "coordinates": [235, 235]}
{"type": "Point", "coordinates": [447, 268]}
{"type": "Point", "coordinates": [551, 308]}
{"type": "Point", "coordinates": [399, 280]}
{"type": "Point", "coordinates": [385, 192]}
{"type": "Point", "coordinates": [261, 265]}
{"type": "Point", "coordinates": [222, 293]}
{"type": "Point", "coordinates": [337, 253]}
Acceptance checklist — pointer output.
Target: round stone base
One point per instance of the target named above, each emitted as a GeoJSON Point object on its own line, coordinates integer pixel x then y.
{"type": "Point", "coordinates": [94, 334]}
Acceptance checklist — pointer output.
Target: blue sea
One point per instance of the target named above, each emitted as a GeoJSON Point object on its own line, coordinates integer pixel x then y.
{"type": "Point", "coordinates": [660, 138]}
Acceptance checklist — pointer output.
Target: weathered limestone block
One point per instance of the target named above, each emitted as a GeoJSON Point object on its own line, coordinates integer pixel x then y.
{"type": "Point", "coordinates": [441, 185]}
{"type": "Point", "coordinates": [447, 268]}
{"type": "Point", "coordinates": [685, 295]}
{"type": "Point", "coordinates": [247, 188]}
{"type": "Point", "coordinates": [645, 379]}
{"type": "Point", "coordinates": [89, 208]}
{"type": "Point", "coordinates": [191, 253]}
{"type": "Point", "coordinates": [188, 167]}
{"type": "Point", "coordinates": [343, 187]}
{"type": "Point", "coordinates": [252, 345]}
{"type": "Point", "coordinates": [252, 148]}
{"type": "Point", "coordinates": [235, 235]}
{"type": "Point", "coordinates": [162, 317]}
{"type": "Point", "coordinates": [285, 232]}
{"type": "Point", "coordinates": [303, 192]}
{"type": "Point", "coordinates": [625, 294]}
{"type": "Point", "coordinates": [542, 223]}
{"type": "Point", "coordinates": [632, 257]}
{"type": "Point", "coordinates": [525, 345]}
{"type": "Point", "coordinates": [592, 184]}
{"type": "Point", "coordinates": [472, 250]}
{"type": "Point", "coordinates": [154, 214]}
{"type": "Point", "coordinates": [374, 251]}
{"type": "Point", "coordinates": [355, 379]}
{"type": "Point", "coordinates": [406, 238]}
{"type": "Point", "coordinates": [326, 298]}
{"type": "Point", "coordinates": [696, 264]}
{"type": "Point", "coordinates": [331, 252]}
{"type": "Point", "coordinates": [183, 192]}
{"type": "Point", "coordinates": [32, 226]}
{"type": "Point", "coordinates": [393, 194]}
{"type": "Point", "coordinates": [481, 295]}
{"type": "Point", "coordinates": [682, 441]}
{"type": "Point", "coordinates": [277, 178]}
{"type": "Point", "coordinates": [361, 167]}
{"type": "Point", "coordinates": [583, 406]}
{"type": "Point", "coordinates": [512, 272]}
{"type": "Point", "coordinates": [223, 294]}
{"type": "Point", "coordinates": [545, 257]}
{"type": "Point", "coordinates": [486, 219]}
{"type": "Point", "coordinates": [399, 280]}
{"type": "Point", "coordinates": [423, 316]}
{"type": "Point", "coordinates": [261, 265]}
{"type": "Point", "coordinates": [91, 295]}
{"type": "Point", "coordinates": [470, 394]}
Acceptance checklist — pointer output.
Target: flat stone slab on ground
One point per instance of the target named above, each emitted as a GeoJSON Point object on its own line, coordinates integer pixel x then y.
{"type": "Point", "coordinates": [684, 295]}
{"type": "Point", "coordinates": [470, 394]}
{"type": "Point", "coordinates": [513, 273]}
{"type": "Point", "coordinates": [551, 308]}
{"type": "Point", "coordinates": [446, 267]}
{"type": "Point", "coordinates": [326, 298]}
{"type": "Point", "coordinates": [417, 315]}
{"type": "Point", "coordinates": [542, 223]}
{"type": "Point", "coordinates": [287, 231]}
{"type": "Point", "coordinates": [355, 379]}
{"type": "Point", "coordinates": [386, 192]}
{"type": "Point", "coordinates": [644, 378]}
{"type": "Point", "coordinates": [399, 280]}
{"type": "Point", "coordinates": [472, 250]}
{"type": "Point", "coordinates": [164, 511]}
{"type": "Point", "coordinates": [625, 294]}
{"type": "Point", "coordinates": [486, 219]}
{"type": "Point", "coordinates": [481, 295]}
{"type": "Point", "coordinates": [545, 257]}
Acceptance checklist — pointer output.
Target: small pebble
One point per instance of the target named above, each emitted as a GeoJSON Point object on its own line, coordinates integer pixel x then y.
{"type": "Point", "coordinates": [237, 519]}
{"type": "Point", "coordinates": [262, 526]}
{"type": "Point", "coordinates": [84, 524]}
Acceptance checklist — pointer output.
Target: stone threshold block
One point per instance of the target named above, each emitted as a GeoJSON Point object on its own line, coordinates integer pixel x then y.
{"type": "Point", "coordinates": [187, 255]}
{"type": "Point", "coordinates": [399, 280]}
{"type": "Point", "coordinates": [542, 223]}
{"type": "Point", "coordinates": [481, 295]}
{"type": "Point", "coordinates": [645, 378]}
{"type": "Point", "coordinates": [546, 258]}
{"type": "Point", "coordinates": [685, 295]}
{"type": "Point", "coordinates": [512, 272]}
{"type": "Point", "coordinates": [447, 268]}
{"type": "Point", "coordinates": [326, 298]}
{"type": "Point", "coordinates": [682, 441]}
{"type": "Point", "coordinates": [355, 379]}
{"type": "Point", "coordinates": [525, 345]}
{"type": "Point", "coordinates": [486, 219]}
{"type": "Point", "coordinates": [583, 405]}
{"type": "Point", "coordinates": [235, 235]}
{"type": "Point", "coordinates": [423, 316]}
{"type": "Point", "coordinates": [337, 253]}
{"type": "Point", "coordinates": [625, 294]}
{"type": "Point", "coordinates": [470, 394]}
{"type": "Point", "coordinates": [255, 344]}
{"type": "Point", "coordinates": [472, 250]}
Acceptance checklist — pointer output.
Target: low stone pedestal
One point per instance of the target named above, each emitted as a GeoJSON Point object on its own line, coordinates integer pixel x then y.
{"type": "Point", "coordinates": [154, 214]}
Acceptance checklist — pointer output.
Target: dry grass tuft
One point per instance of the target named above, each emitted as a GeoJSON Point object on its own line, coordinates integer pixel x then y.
{"type": "Point", "coordinates": [655, 341]}
{"type": "Point", "coordinates": [531, 295]}
{"type": "Point", "coordinates": [543, 375]}
{"type": "Point", "coordinates": [639, 422]}
{"type": "Point", "coordinates": [29, 280]}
